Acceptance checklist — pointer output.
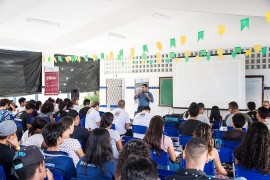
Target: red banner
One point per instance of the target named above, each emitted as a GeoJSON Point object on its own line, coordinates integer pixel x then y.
{"type": "Point", "coordinates": [51, 83]}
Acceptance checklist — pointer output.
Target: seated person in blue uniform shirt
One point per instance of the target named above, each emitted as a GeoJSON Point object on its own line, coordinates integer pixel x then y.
{"type": "Point", "coordinates": [4, 113]}
{"type": "Point", "coordinates": [98, 162]}
{"type": "Point", "coordinates": [145, 97]}
{"type": "Point", "coordinates": [57, 161]}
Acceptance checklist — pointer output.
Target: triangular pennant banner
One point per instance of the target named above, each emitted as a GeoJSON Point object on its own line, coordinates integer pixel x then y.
{"type": "Point", "coordinates": [268, 16]}
{"type": "Point", "coordinates": [244, 23]}
{"type": "Point", "coordinates": [102, 56]}
{"type": "Point", "coordinates": [187, 54]}
{"type": "Point", "coordinates": [49, 59]}
{"type": "Point", "coordinates": [264, 50]}
{"type": "Point", "coordinates": [151, 61]}
{"type": "Point", "coordinates": [200, 35]}
{"type": "Point", "coordinates": [168, 60]}
{"type": "Point", "coordinates": [172, 42]}
{"type": "Point", "coordinates": [197, 58]}
{"type": "Point", "coordinates": [159, 46]}
{"type": "Point", "coordinates": [183, 40]}
{"type": "Point", "coordinates": [121, 53]}
{"type": "Point", "coordinates": [186, 59]}
{"type": "Point", "coordinates": [107, 57]}
{"type": "Point", "coordinates": [208, 56]}
{"type": "Point", "coordinates": [257, 48]}
{"type": "Point", "coordinates": [59, 59]}
{"type": "Point", "coordinates": [143, 56]}
{"type": "Point", "coordinates": [220, 52]}
{"type": "Point", "coordinates": [145, 48]}
{"type": "Point", "coordinates": [248, 52]}
{"type": "Point", "coordinates": [234, 54]}
{"type": "Point", "coordinates": [86, 57]}
{"type": "Point", "coordinates": [111, 55]}
{"type": "Point", "coordinates": [79, 59]}
{"type": "Point", "coordinates": [238, 49]}
{"type": "Point", "coordinates": [202, 53]}
{"type": "Point", "coordinates": [177, 59]}
{"type": "Point", "coordinates": [172, 55]}
{"type": "Point", "coordinates": [221, 30]}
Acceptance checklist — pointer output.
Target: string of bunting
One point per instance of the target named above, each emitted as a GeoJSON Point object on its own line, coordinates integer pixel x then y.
{"type": "Point", "coordinates": [244, 24]}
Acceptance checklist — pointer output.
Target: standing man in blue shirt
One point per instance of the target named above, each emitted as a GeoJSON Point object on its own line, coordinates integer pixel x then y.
{"type": "Point", "coordinates": [144, 97]}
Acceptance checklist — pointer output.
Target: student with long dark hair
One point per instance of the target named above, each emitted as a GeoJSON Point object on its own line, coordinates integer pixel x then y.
{"type": "Point", "coordinates": [116, 141]}
{"type": "Point", "coordinates": [215, 114]}
{"type": "Point", "coordinates": [98, 162]}
{"type": "Point", "coordinates": [46, 110]}
{"type": "Point", "coordinates": [254, 151]}
{"type": "Point", "coordinates": [62, 110]}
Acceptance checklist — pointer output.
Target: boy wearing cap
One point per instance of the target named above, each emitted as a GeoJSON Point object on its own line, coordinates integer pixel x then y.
{"type": "Point", "coordinates": [57, 161]}
{"type": "Point", "coordinates": [8, 146]}
{"type": "Point", "coordinates": [29, 164]}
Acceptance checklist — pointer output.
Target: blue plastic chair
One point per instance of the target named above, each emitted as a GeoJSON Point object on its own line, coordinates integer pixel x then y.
{"type": "Point", "coordinates": [103, 106]}
{"type": "Point", "coordinates": [181, 121]}
{"type": "Point", "coordinates": [57, 119]}
{"type": "Point", "coordinates": [161, 158]}
{"type": "Point", "coordinates": [230, 144]}
{"type": "Point", "coordinates": [113, 127]}
{"type": "Point", "coordinates": [171, 125]}
{"type": "Point", "coordinates": [82, 122]}
{"type": "Point", "coordinates": [163, 173]}
{"type": "Point", "coordinates": [125, 139]}
{"type": "Point", "coordinates": [241, 171]}
{"type": "Point", "coordinates": [226, 156]}
{"type": "Point", "coordinates": [139, 129]}
{"type": "Point", "coordinates": [101, 113]}
{"type": "Point", "coordinates": [19, 124]}
{"type": "Point", "coordinates": [216, 125]}
{"type": "Point", "coordinates": [113, 106]}
{"type": "Point", "coordinates": [184, 139]}
{"type": "Point", "coordinates": [209, 168]}
{"type": "Point", "coordinates": [217, 134]}
{"type": "Point", "coordinates": [229, 128]}
{"type": "Point", "coordinates": [172, 132]}
{"type": "Point", "coordinates": [2, 173]}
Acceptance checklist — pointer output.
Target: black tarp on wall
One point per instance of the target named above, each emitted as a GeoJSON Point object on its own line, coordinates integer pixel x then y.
{"type": "Point", "coordinates": [83, 75]}
{"type": "Point", "coordinates": [20, 72]}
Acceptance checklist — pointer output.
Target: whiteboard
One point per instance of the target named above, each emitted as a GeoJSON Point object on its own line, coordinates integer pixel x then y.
{"type": "Point", "coordinates": [215, 82]}
{"type": "Point", "coordinates": [254, 90]}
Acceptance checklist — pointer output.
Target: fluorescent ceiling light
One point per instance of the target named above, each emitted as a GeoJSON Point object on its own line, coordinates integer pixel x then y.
{"type": "Point", "coordinates": [51, 23]}
{"type": "Point", "coordinates": [117, 35]}
{"type": "Point", "coordinates": [161, 16]}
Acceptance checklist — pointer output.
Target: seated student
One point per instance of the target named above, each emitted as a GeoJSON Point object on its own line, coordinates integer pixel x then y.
{"type": "Point", "coordinates": [189, 126]}
{"type": "Point", "coordinates": [56, 160]}
{"type": "Point", "coordinates": [115, 139]}
{"type": "Point", "coordinates": [62, 110]}
{"type": "Point", "coordinates": [25, 116]}
{"type": "Point", "coordinates": [75, 104]}
{"type": "Point", "coordinates": [267, 106]}
{"type": "Point", "coordinates": [79, 133]}
{"type": "Point", "coordinates": [156, 139]}
{"type": "Point", "coordinates": [70, 105]}
{"type": "Point", "coordinates": [134, 147]}
{"type": "Point", "coordinates": [253, 152]}
{"type": "Point", "coordinates": [83, 111]}
{"type": "Point", "coordinates": [204, 131]}
{"type": "Point", "coordinates": [121, 119]}
{"type": "Point", "coordinates": [236, 134]}
{"type": "Point", "coordinates": [22, 101]}
{"type": "Point", "coordinates": [92, 119]}
{"type": "Point", "coordinates": [143, 119]}
{"type": "Point", "coordinates": [252, 111]}
{"type": "Point", "coordinates": [38, 106]}
{"type": "Point", "coordinates": [33, 136]}
{"type": "Point", "coordinates": [201, 117]}
{"type": "Point", "coordinates": [29, 164]}
{"type": "Point", "coordinates": [195, 155]}
{"type": "Point", "coordinates": [98, 162]}
{"type": "Point", "coordinates": [4, 113]}
{"type": "Point", "coordinates": [70, 145]}
{"type": "Point", "coordinates": [262, 116]}
{"type": "Point", "coordinates": [139, 168]}
{"type": "Point", "coordinates": [56, 105]}
{"type": "Point", "coordinates": [233, 109]}
{"type": "Point", "coordinates": [8, 146]}
{"type": "Point", "coordinates": [46, 110]}
{"type": "Point", "coordinates": [215, 114]}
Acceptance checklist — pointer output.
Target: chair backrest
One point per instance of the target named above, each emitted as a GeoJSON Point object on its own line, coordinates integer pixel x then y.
{"type": "Point", "coordinates": [173, 132]}
{"type": "Point", "coordinates": [2, 173]}
{"type": "Point", "coordinates": [103, 106]}
{"type": "Point", "coordinates": [161, 158]}
{"type": "Point", "coordinates": [139, 129]}
{"type": "Point", "coordinates": [241, 171]}
{"type": "Point", "coordinates": [231, 128]}
{"type": "Point", "coordinates": [125, 139]}
{"type": "Point", "coordinates": [57, 119]}
{"type": "Point", "coordinates": [225, 155]}
{"type": "Point", "coordinates": [57, 176]}
{"type": "Point", "coordinates": [217, 134]}
{"type": "Point", "coordinates": [113, 127]}
{"type": "Point", "coordinates": [216, 125]}
{"type": "Point", "coordinates": [184, 139]}
{"type": "Point", "coordinates": [82, 122]}
{"type": "Point", "coordinates": [171, 125]}
{"type": "Point", "coordinates": [163, 173]}
{"type": "Point", "coordinates": [113, 106]}
{"type": "Point", "coordinates": [181, 121]}
{"type": "Point", "coordinates": [209, 168]}
{"type": "Point", "coordinates": [101, 113]}
{"type": "Point", "coordinates": [230, 144]}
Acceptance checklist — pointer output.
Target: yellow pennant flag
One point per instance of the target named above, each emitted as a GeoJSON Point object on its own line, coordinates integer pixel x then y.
{"type": "Point", "coordinates": [257, 48]}
{"type": "Point", "coordinates": [111, 55]}
{"type": "Point", "coordinates": [159, 46]}
{"type": "Point", "coordinates": [158, 61]}
{"type": "Point", "coordinates": [132, 52]}
{"type": "Point", "coordinates": [221, 30]}
{"type": "Point", "coordinates": [177, 59]}
{"type": "Point", "coordinates": [268, 16]}
{"type": "Point", "coordinates": [107, 57]}
{"type": "Point", "coordinates": [79, 59]}
{"type": "Point", "coordinates": [248, 52]}
{"type": "Point", "coordinates": [94, 57]}
{"type": "Point", "coordinates": [197, 57]}
{"type": "Point", "coordinates": [142, 61]}
{"type": "Point", "coordinates": [43, 58]}
{"type": "Point", "coordinates": [67, 60]}
{"type": "Point", "coordinates": [187, 54]}
{"type": "Point", "coordinates": [220, 52]}
{"type": "Point", "coordinates": [183, 40]}
{"type": "Point", "coordinates": [158, 56]}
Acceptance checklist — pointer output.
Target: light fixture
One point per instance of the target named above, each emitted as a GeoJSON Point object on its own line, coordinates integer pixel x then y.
{"type": "Point", "coordinates": [161, 16]}
{"type": "Point", "coordinates": [117, 35]}
{"type": "Point", "coordinates": [34, 20]}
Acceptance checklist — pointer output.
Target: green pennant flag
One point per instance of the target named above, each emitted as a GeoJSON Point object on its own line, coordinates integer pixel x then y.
{"type": "Point", "coordinates": [264, 50]}
{"type": "Point", "coordinates": [123, 63]}
{"type": "Point", "coordinates": [168, 60]}
{"type": "Point", "coordinates": [145, 48]}
{"type": "Point", "coordinates": [86, 57]}
{"type": "Point", "coordinates": [121, 53]}
{"type": "Point", "coordinates": [172, 55]}
{"type": "Point", "coordinates": [60, 59]}
{"type": "Point", "coordinates": [234, 54]}
{"type": "Point", "coordinates": [49, 59]}
{"type": "Point", "coordinates": [244, 23]}
{"type": "Point", "coordinates": [73, 58]}
{"type": "Point", "coordinates": [143, 56]}
{"type": "Point", "coordinates": [186, 59]}
{"type": "Point", "coordinates": [200, 35]}
{"type": "Point", "coordinates": [208, 56]}
{"type": "Point", "coordinates": [102, 55]}
{"type": "Point", "coordinates": [151, 61]}
{"type": "Point", "coordinates": [172, 42]}
{"type": "Point", "coordinates": [202, 53]}
{"type": "Point", "coordinates": [119, 57]}
{"type": "Point", "coordinates": [238, 49]}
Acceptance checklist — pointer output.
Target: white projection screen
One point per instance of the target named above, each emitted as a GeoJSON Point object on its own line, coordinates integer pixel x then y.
{"type": "Point", "coordinates": [215, 82]}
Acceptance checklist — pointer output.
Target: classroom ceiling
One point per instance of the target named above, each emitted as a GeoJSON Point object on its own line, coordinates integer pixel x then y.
{"type": "Point", "coordinates": [83, 26]}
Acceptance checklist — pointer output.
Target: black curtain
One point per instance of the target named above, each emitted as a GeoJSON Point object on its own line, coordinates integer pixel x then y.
{"type": "Point", "coordinates": [20, 73]}
{"type": "Point", "coordinates": [83, 75]}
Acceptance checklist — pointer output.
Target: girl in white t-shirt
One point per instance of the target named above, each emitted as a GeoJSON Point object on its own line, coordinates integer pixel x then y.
{"type": "Point", "coordinates": [115, 139]}
{"type": "Point", "coordinates": [70, 145]}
